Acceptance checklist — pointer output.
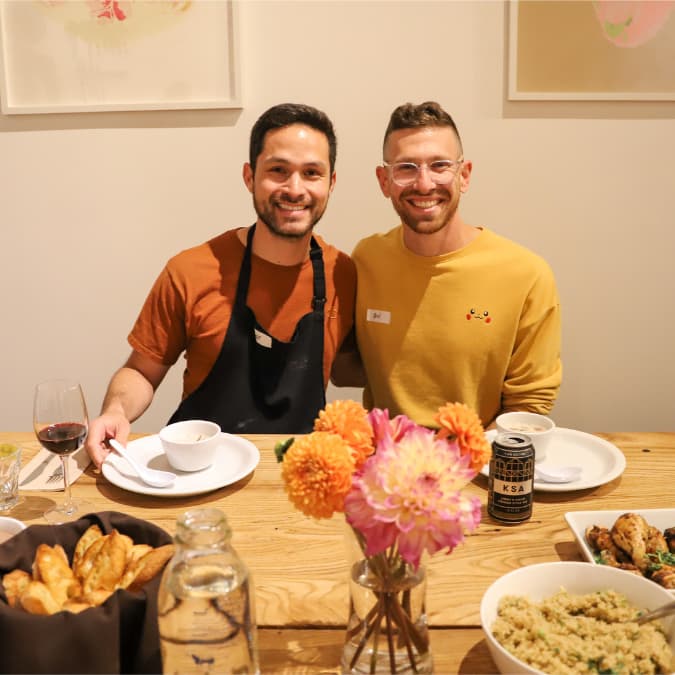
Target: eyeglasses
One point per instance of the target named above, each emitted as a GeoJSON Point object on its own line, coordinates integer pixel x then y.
{"type": "Point", "coordinates": [441, 171]}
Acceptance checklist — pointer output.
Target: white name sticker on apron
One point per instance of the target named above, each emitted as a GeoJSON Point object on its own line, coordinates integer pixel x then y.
{"type": "Point", "coordinates": [263, 339]}
{"type": "Point", "coordinates": [378, 316]}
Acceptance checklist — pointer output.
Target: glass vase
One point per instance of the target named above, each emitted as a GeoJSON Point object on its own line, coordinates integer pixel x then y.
{"type": "Point", "coordinates": [387, 630]}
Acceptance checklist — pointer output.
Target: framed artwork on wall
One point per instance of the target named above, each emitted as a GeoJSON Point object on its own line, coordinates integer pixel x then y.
{"type": "Point", "coordinates": [64, 56]}
{"type": "Point", "coordinates": [591, 50]}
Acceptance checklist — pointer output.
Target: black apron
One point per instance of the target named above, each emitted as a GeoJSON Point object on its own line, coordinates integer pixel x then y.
{"type": "Point", "coordinates": [259, 384]}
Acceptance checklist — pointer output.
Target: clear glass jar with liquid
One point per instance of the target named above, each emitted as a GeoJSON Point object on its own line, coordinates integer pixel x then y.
{"type": "Point", "coordinates": [206, 601]}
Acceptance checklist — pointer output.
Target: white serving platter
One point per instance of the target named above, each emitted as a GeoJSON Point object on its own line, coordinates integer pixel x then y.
{"type": "Point", "coordinates": [578, 521]}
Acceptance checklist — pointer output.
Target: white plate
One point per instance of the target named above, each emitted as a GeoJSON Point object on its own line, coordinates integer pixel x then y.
{"type": "Point", "coordinates": [578, 521]}
{"type": "Point", "coordinates": [601, 461]}
{"type": "Point", "coordinates": [235, 458]}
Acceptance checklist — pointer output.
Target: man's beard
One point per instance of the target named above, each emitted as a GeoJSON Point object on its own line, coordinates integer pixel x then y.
{"type": "Point", "coordinates": [267, 217]}
{"type": "Point", "coordinates": [426, 225]}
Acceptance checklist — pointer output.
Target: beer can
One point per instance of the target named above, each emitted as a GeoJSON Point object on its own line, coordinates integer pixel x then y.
{"type": "Point", "coordinates": [511, 478]}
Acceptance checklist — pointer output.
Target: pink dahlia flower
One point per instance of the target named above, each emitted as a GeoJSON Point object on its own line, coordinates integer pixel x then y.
{"type": "Point", "coordinates": [409, 493]}
{"type": "Point", "coordinates": [385, 428]}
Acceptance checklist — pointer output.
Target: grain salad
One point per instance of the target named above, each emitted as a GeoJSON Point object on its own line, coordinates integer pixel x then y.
{"type": "Point", "coordinates": [579, 634]}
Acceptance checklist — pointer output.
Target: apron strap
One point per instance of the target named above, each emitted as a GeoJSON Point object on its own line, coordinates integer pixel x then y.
{"type": "Point", "coordinates": [245, 270]}
{"type": "Point", "coordinates": [316, 257]}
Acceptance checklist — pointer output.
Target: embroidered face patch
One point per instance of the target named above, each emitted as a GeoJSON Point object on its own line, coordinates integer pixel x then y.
{"type": "Point", "coordinates": [481, 315]}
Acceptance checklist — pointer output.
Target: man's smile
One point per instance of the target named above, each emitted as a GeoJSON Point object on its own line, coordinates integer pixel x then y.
{"type": "Point", "coordinates": [424, 203]}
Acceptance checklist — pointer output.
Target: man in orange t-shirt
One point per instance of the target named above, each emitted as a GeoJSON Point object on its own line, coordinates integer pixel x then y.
{"type": "Point", "coordinates": [259, 312]}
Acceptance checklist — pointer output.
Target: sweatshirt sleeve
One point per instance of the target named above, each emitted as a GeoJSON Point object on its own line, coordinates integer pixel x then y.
{"type": "Point", "coordinates": [535, 370]}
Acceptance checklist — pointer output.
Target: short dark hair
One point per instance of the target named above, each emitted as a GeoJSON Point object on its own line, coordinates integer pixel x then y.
{"type": "Point", "coordinates": [427, 114]}
{"type": "Point", "coordinates": [285, 114]}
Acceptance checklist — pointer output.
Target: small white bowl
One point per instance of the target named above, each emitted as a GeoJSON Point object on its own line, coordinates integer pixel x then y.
{"type": "Point", "coordinates": [190, 445]}
{"type": "Point", "coordinates": [543, 580]}
{"type": "Point", "coordinates": [538, 428]}
{"type": "Point", "coordinates": [9, 527]}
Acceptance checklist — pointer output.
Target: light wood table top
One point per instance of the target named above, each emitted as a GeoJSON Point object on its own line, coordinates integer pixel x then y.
{"type": "Point", "coordinates": [299, 564]}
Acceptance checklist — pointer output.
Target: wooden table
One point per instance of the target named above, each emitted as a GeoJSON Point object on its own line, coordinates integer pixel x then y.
{"type": "Point", "coordinates": [299, 564]}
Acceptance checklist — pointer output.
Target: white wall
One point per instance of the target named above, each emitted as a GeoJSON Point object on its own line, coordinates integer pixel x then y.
{"type": "Point", "coordinates": [91, 205]}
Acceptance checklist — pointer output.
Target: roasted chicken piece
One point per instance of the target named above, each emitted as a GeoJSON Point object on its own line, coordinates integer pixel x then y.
{"type": "Point", "coordinates": [606, 557]}
{"type": "Point", "coordinates": [632, 544]}
{"type": "Point", "coordinates": [669, 536]}
{"type": "Point", "coordinates": [664, 576]}
{"type": "Point", "coordinates": [656, 542]}
{"type": "Point", "coordinates": [600, 539]}
{"type": "Point", "coordinates": [630, 533]}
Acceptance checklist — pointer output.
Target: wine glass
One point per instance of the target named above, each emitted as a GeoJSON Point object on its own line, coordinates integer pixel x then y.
{"type": "Point", "coordinates": [61, 424]}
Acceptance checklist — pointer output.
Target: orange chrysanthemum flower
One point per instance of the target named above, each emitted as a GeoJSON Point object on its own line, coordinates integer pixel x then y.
{"type": "Point", "coordinates": [460, 423]}
{"type": "Point", "coordinates": [348, 419]}
{"type": "Point", "coordinates": [317, 473]}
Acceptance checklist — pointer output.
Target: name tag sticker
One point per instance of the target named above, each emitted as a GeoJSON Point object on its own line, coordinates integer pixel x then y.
{"type": "Point", "coordinates": [263, 339]}
{"type": "Point", "coordinates": [378, 316]}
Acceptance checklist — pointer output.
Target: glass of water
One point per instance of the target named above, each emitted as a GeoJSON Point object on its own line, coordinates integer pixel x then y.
{"type": "Point", "coordinates": [10, 464]}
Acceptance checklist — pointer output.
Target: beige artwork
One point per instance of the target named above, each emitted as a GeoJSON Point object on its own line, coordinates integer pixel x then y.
{"type": "Point", "coordinates": [583, 49]}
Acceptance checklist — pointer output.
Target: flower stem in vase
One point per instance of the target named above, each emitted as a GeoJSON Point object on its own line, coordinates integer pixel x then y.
{"type": "Point", "coordinates": [387, 631]}
{"type": "Point", "coordinates": [405, 603]}
{"type": "Point", "coordinates": [390, 641]}
{"type": "Point", "coordinates": [376, 639]}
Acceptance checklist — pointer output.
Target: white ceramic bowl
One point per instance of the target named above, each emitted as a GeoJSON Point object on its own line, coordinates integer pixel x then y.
{"type": "Point", "coordinates": [9, 527]}
{"type": "Point", "coordinates": [541, 581]}
{"type": "Point", "coordinates": [539, 428]}
{"type": "Point", "coordinates": [190, 445]}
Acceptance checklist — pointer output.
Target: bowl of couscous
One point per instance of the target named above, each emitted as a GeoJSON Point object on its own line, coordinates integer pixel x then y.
{"type": "Point", "coordinates": [572, 617]}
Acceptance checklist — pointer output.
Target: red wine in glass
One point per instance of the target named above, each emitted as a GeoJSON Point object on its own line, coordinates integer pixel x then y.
{"type": "Point", "coordinates": [62, 438]}
{"type": "Point", "coordinates": [61, 423]}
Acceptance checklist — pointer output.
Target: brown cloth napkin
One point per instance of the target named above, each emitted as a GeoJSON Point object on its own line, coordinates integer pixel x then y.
{"type": "Point", "coordinates": [120, 636]}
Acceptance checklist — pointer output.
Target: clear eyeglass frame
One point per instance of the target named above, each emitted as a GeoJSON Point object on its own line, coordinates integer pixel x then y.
{"type": "Point", "coordinates": [441, 171]}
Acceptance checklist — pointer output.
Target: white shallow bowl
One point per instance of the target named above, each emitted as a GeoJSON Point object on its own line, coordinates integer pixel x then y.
{"type": "Point", "coordinates": [541, 581]}
{"type": "Point", "coordinates": [538, 428]}
{"type": "Point", "coordinates": [9, 526]}
{"type": "Point", "coordinates": [182, 448]}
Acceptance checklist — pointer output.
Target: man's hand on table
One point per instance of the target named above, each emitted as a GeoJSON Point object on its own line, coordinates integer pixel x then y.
{"type": "Point", "coordinates": [108, 425]}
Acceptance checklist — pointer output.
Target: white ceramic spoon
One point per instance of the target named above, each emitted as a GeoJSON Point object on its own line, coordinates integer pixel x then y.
{"type": "Point", "coordinates": [557, 474]}
{"type": "Point", "coordinates": [153, 477]}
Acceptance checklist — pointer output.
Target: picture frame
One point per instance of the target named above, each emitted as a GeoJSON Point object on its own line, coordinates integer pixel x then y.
{"type": "Point", "coordinates": [584, 50]}
{"type": "Point", "coordinates": [68, 56]}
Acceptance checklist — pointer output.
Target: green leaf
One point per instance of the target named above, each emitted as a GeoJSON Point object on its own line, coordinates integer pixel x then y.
{"type": "Point", "coordinates": [281, 448]}
{"type": "Point", "coordinates": [660, 558]}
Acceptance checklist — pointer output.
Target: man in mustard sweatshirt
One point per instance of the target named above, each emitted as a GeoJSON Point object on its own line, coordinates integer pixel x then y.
{"type": "Point", "coordinates": [448, 311]}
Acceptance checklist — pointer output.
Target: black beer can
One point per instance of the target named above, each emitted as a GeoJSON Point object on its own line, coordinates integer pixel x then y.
{"type": "Point", "coordinates": [511, 478]}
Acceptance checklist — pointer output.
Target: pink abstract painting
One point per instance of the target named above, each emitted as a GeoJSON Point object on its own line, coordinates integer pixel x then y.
{"type": "Point", "coordinates": [97, 55]}
{"type": "Point", "coordinates": [592, 50]}
{"type": "Point", "coordinates": [630, 23]}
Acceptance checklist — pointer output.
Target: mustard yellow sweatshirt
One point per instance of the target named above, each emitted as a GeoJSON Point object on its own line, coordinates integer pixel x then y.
{"type": "Point", "coordinates": [480, 326]}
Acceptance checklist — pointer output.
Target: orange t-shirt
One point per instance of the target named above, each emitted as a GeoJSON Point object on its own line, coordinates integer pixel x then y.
{"type": "Point", "coordinates": [189, 306]}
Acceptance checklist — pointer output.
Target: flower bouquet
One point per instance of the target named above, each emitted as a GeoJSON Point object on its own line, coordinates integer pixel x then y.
{"type": "Point", "coordinates": [399, 486]}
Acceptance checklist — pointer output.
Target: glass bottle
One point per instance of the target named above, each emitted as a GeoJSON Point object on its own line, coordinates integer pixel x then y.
{"type": "Point", "coordinates": [206, 605]}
